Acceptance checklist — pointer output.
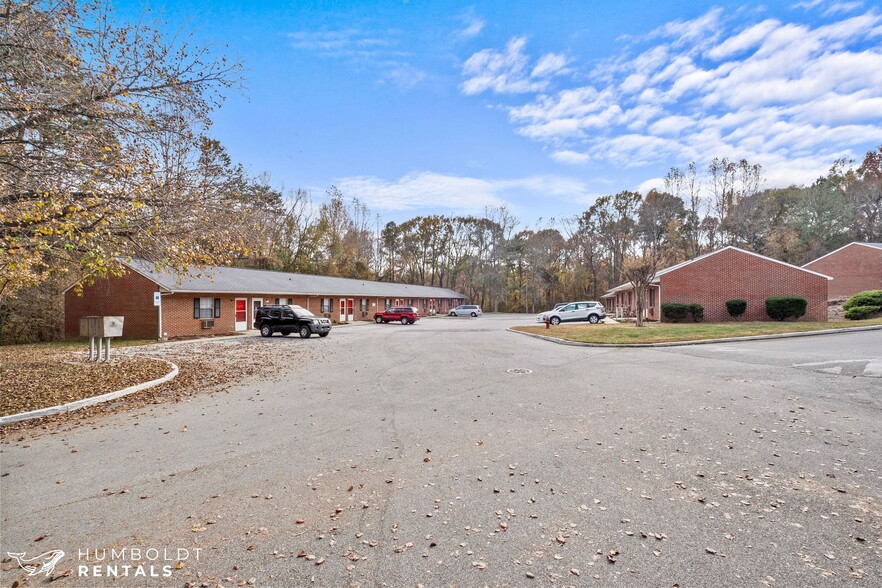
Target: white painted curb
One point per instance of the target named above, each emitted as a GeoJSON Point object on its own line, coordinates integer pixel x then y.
{"type": "Point", "coordinates": [70, 406]}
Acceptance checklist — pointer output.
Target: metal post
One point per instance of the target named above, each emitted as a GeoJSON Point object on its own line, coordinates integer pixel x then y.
{"type": "Point", "coordinates": [91, 348]}
{"type": "Point", "coordinates": [100, 346]}
{"type": "Point", "coordinates": [107, 351]}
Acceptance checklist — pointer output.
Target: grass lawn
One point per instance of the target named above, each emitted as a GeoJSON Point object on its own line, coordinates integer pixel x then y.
{"type": "Point", "coordinates": [628, 333]}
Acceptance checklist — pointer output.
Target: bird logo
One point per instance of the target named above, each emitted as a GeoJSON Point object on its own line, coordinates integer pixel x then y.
{"type": "Point", "coordinates": [41, 564]}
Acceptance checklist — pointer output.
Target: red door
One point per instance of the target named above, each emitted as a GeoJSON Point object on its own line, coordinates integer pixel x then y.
{"type": "Point", "coordinates": [241, 314]}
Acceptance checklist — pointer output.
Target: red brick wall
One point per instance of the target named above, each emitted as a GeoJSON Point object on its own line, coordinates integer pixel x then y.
{"type": "Point", "coordinates": [130, 296]}
{"type": "Point", "coordinates": [734, 274]}
{"type": "Point", "coordinates": [854, 268]}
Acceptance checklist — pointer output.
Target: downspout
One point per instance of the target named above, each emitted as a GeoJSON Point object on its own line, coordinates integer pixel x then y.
{"type": "Point", "coordinates": [160, 334]}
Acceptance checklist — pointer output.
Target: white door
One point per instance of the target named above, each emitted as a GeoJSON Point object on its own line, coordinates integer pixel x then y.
{"type": "Point", "coordinates": [255, 304]}
{"type": "Point", "coordinates": [241, 306]}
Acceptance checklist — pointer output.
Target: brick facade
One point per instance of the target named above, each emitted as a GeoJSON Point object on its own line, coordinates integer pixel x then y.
{"type": "Point", "coordinates": [731, 274]}
{"type": "Point", "coordinates": [131, 296]}
{"type": "Point", "coordinates": [728, 274]}
{"type": "Point", "coordinates": [854, 268]}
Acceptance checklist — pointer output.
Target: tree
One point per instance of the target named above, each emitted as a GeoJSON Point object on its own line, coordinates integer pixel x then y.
{"type": "Point", "coordinates": [612, 220]}
{"type": "Point", "coordinates": [865, 196]}
{"type": "Point", "coordinates": [823, 217]}
{"type": "Point", "coordinates": [101, 144]}
{"type": "Point", "coordinates": [659, 221]}
{"type": "Point", "coordinates": [639, 269]}
{"type": "Point", "coordinates": [686, 186]}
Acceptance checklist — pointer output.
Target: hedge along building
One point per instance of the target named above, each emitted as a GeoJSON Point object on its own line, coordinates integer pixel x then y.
{"type": "Point", "coordinates": [725, 274]}
{"type": "Point", "coordinates": [223, 300]}
{"type": "Point", "coordinates": [855, 267]}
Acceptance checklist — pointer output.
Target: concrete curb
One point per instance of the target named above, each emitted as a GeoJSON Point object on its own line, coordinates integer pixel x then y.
{"type": "Point", "coordinates": [70, 406]}
{"type": "Point", "coordinates": [701, 341]}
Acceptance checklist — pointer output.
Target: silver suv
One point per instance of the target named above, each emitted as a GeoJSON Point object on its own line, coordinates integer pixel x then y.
{"type": "Point", "coordinates": [466, 310]}
{"type": "Point", "coordinates": [590, 311]}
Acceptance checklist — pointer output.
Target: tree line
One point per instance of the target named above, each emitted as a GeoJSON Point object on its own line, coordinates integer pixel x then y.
{"type": "Point", "coordinates": [105, 154]}
{"type": "Point", "coordinates": [505, 266]}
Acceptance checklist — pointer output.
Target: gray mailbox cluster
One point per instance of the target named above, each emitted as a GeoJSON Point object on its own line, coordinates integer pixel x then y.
{"type": "Point", "coordinates": [102, 328]}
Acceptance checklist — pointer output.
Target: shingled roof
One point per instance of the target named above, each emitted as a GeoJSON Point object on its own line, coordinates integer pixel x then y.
{"type": "Point", "coordinates": [233, 280]}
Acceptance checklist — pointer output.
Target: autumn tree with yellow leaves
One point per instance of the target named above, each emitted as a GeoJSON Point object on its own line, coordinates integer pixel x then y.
{"type": "Point", "coordinates": [103, 153]}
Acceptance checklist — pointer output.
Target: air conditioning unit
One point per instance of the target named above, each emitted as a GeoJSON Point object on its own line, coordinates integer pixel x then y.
{"type": "Point", "coordinates": [363, 313]}
{"type": "Point", "coordinates": [208, 324]}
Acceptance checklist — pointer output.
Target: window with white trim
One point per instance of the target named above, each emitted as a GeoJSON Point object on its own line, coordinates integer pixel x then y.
{"type": "Point", "coordinates": [283, 301]}
{"type": "Point", "coordinates": [364, 305]}
{"type": "Point", "coordinates": [326, 304]}
{"type": "Point", "coordinates": [206, 308]}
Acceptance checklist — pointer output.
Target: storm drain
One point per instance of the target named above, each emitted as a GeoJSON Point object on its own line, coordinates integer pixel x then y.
{"type": "Point", "coordinates": [519, 371]}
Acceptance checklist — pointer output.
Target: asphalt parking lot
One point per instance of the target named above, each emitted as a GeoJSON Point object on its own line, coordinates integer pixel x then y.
{"type": "Point", "coordinates": [455, 453]}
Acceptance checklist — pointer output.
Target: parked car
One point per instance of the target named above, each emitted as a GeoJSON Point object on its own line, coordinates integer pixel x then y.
{"type": "Point", "coordinates": [466, 310]}
{"type": "Point", "coordinates": [287, 319]}
{"type": "Point", "coordinates": [405, 314]}
{"type": "Point", "coordinates": [590, 311]}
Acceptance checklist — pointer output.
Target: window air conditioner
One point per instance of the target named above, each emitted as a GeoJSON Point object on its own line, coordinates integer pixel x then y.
{"type": "Point", "coordinates": [208, 324]}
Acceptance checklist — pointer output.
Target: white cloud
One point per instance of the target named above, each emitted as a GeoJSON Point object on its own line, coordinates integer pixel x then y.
{"type": "Point", "coordinates": [506, 72]}
{"type": "Point", "coordinates": [345, 42]}
{"type": "Point", "coordinates": [843, 7]}
{"type": "Point", "coordinates": [808, 4]}
{"type": "Point", "coordinates": [746, 39]}
{"type": "Point", "coordinates": [768, 90]}
{"type": "Point", "coordinates": [551, 64]}
{"type": "Point", "coordinates": [570, 157]}
{"type": "Point", "coordinates": [699, 30]}
{"type": "Point", "coordinates": [651, 184]}
{"type": "Point", "coordinates": [671, 125]}
{"type": "Point", "coordinates": [458, 194]}
{"type": "Point", "coordinates": [473, 28]}
{"type": "Point", "coordinates": [378, 49]}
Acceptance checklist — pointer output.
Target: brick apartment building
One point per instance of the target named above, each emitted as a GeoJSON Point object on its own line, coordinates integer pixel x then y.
{"type": "Point", "coordinates": [223, 300]}
{"type": "Point", "coordinates": [725, 274]}
{"type": "Point", "coordinates": [856, 267]}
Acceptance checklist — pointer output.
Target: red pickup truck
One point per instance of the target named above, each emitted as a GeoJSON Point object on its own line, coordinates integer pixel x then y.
{"type": "Point", "coordinates": [405, 314]}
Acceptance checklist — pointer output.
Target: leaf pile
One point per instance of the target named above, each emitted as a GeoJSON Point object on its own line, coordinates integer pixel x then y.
{"type": "Point", "coordinates": [33, 377]}
{"type": "Point", "coordinates": [35, 374]}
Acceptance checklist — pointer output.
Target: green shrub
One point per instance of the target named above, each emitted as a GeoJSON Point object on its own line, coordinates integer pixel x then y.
{"type": "Point", "coordinates": [736, 307]}
{"type": "Point", "coordinates": [674, 311]}
{"type": "Point", "coordinates": [868, 298]}
{"type": "Point", "coordinates": [858, 313]}
{"type": "Point", "coordinates": [782, 308]}
{"type": "Point", "coordinates": [697, 312]}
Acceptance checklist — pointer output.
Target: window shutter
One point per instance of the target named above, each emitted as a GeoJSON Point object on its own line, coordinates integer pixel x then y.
{"type": "Point", "coordinates": [277, 300]}
{"type": "Point", "coordinates": [195, 308]}
{"type": "Point", "coordinates": [217, 308]}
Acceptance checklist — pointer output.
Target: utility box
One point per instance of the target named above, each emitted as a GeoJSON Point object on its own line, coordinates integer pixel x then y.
{"type": "Point", "coordinates": [101, 326]}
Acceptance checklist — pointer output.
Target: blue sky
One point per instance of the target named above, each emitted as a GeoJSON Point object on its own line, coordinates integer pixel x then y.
{"type": "Point", "coordinates": [431, 107]}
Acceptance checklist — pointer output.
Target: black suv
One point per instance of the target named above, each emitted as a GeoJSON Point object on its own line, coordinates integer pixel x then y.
{"type": "Point", "coordinates": [287, 319]}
